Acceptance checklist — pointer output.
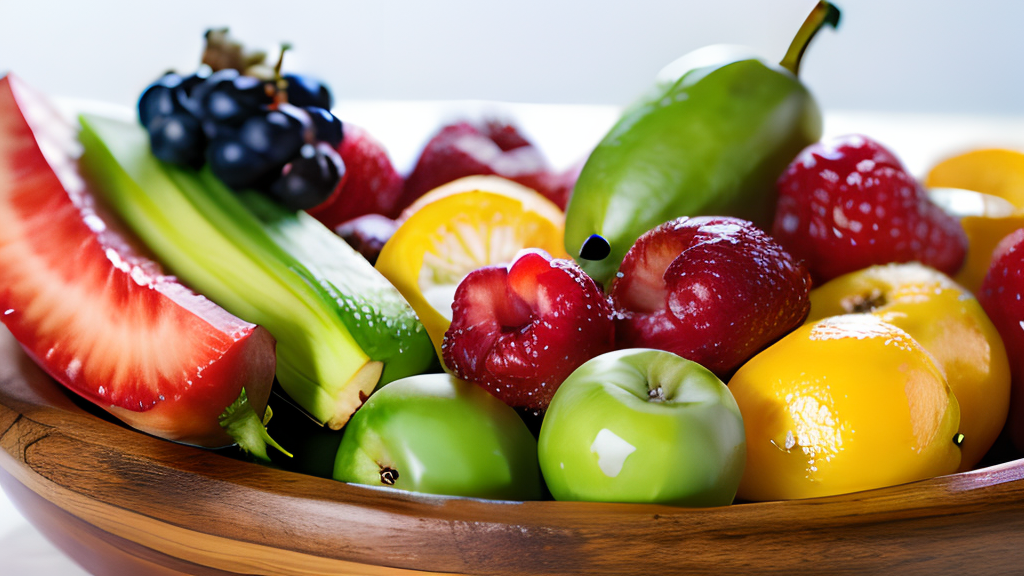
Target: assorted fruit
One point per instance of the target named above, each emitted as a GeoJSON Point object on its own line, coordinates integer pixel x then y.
{"type": "Point", "coordinates": [709, 140]}
{"type": "Point", "coordinates": [270, 132]}
{"type": "Point", "coordinates": [715, 306]}
{"type": "Point", "coordinates": [458, 228]}
{"type": "Point", "coordinates": [91, 307]}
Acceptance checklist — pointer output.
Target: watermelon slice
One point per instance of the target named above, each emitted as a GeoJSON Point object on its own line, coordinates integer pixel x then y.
{"type": "Point", "coordinates": [100, 316]}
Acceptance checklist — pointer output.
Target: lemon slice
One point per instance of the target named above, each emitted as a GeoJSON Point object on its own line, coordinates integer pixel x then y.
{"type": "Point", "coordinates": [458, 228]}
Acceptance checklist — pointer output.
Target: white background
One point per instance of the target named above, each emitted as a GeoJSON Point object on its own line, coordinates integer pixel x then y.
{"type": "Point", "coordinates": [896, 55]}
{"type": "Point", "coordinates": [912, 58]}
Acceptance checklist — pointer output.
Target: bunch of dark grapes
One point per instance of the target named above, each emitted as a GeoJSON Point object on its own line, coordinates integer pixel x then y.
{"type": "Point", "coordinates": [277, 136]}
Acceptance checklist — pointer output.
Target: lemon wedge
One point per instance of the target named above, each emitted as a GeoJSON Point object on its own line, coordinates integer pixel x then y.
{"type": "Point", "coordinates": [457, 228]}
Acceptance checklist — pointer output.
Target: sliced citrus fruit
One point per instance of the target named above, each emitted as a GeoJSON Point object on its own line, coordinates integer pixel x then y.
{"type": "Point", "coordinates": [994, 171]}
{"type": "Point", "coordinates": [456, 229]}
{"type": "Point", "coordinates": [986, 220]}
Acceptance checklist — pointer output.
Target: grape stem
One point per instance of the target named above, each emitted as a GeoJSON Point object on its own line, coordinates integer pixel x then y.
{"type": "Point", "coordinates": [280, 84]}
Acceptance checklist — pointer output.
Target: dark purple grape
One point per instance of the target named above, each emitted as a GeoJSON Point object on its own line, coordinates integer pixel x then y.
{"type": "Point", "coordinates": [219, 130]}
{"type": "Point", "coordinates": [159, 99]}
{"type": "Point", "coordinates": [237, 165]}
{"type": "Point", "coordinates": [306, 91]}
{"type": "Point", "coordinates": [188, 85]}
{"type": "Point", "coordinates": [309, 179]}
{"type": "Point", "coordinates": [227, 97]}
{"type": "Point", "coordinates": [274, 134]}
{"type": "Point", "coordinates": [177, 138]}
{"type": "Point", "coordinates": [328, 126]}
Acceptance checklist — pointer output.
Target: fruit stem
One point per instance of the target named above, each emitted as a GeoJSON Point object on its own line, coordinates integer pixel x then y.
{"type": "Point", "coordinates": [824, 13]}
{"type": "Point", "coordinates": [285, 46]}
{"type": "Point", "coordinates": [280, 85]}
{"type": "Point", "coordinates": [247, 429]}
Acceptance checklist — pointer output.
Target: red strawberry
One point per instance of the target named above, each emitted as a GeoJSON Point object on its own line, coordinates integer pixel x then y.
{"type": "Point", "coordinates": [714, 290]}
{"type": "Point", "coordinates": [95, 313]}
{"type": "Point", "coordinates": [371, 184]}
{"type": "Point", "coordinates": [1002, 297]}
{"type": "Point", "coordinates": [496, 148]}
{"type": "Point", "coordinates": [520, 331]}
{"type": "Point", "coordinates": [848, 203]}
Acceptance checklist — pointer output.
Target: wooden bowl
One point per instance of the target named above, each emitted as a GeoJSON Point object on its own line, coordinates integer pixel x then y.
{"type": "Point", "coordinates": [121, 502]}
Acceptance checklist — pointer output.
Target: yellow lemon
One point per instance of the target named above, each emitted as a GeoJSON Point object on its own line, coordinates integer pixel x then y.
{"type": "Point", "coordinates": [458, 228]}
{"type": "Point", "coordinates": [949, 323]}
{"type": "Point", "coordinates": [845, 404]}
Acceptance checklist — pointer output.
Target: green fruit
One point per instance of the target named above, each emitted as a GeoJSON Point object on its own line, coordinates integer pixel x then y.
{"type": "Point", "coordinates": [331, 348]}
{"type": "Point", "coordinates": [437, 434]}
{"type": "Point", "coordinates": [642, 425]}
{"type": "Point", "coordinates": [711, 142]}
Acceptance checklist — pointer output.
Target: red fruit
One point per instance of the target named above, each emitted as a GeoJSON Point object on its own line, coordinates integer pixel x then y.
{"type": "Point", "coordinates": [1002, 297]}
{"type": "Point", "coordinates": [94, 312]}
{"type": "Point", "coordinates": [464, 149]}
{"type": "Point", "coordinates": [367, 234]}
{"type": "Point", "coordinates": [371, 184]}
{"type": "Point", "coordinates": [849, 203]}
{"type": "Point", "coordinates": [520, 331]}
{"type": "Point", "coordinates": [711, 289]}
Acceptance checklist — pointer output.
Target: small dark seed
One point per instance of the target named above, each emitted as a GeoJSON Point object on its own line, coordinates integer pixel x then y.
{"type": "Point", "coordinates": [594, 248]}
{"type": "Point", "coordinates": [388, 476]}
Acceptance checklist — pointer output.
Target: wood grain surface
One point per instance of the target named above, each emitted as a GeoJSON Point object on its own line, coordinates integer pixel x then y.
{"type": "Point", "coordinates": [193, 511]}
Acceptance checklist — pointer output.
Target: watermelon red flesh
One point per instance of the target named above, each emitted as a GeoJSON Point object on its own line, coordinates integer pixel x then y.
{"type": "Point", "coordinates": [94, 311]}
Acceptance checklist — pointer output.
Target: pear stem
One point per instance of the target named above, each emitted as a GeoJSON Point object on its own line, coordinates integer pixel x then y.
{"type": "Point", "coordinates": [824, 13]}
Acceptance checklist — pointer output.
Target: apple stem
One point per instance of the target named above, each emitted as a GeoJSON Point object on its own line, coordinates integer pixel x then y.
{"type": "Point", "coordinates": [656, 394]}
{"type": "Point", "coordinates": [824, 13]}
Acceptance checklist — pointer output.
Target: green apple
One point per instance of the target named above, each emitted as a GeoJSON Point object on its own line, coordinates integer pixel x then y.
{"type": "Point", "coordinates": [641, 425]}
{"type": "Point", "coordinates": [437, 434]}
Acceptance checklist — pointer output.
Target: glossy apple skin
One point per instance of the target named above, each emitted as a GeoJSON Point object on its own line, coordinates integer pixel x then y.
{"type": "Point", "coordinates": [949, 323]}
{"type": "Point", "coordinates": [605, 439]}
{"type": "Point", "coordinates": [441, 435]}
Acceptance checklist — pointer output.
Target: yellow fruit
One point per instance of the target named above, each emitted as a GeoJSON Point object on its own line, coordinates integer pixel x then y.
{"type": "Point", "coordinates": [991, 171]}
{"type": "Point", "coordinates": [452, 233]}
{"type": "Point", "coordinates": [986, 220]}
{"type": "Point", "coordinates": [949, 323]}
{"type": "Point", "coordinates": [845, 404]}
